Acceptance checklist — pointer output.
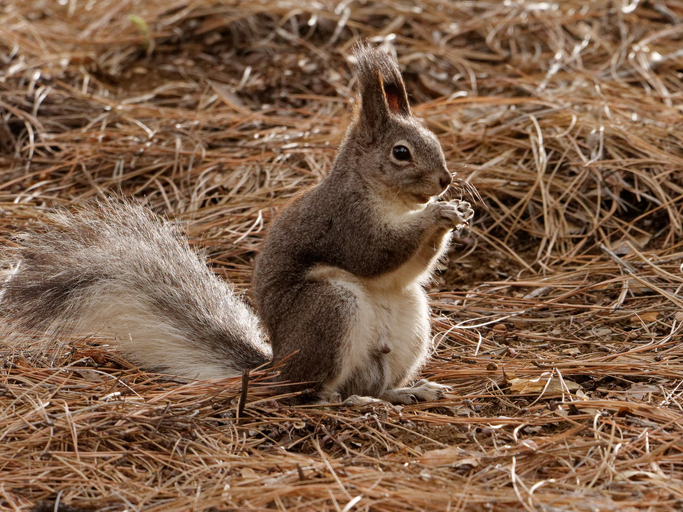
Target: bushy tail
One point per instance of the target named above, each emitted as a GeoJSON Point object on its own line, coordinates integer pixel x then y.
{"type": "Point", "coordinates": [117, 268]}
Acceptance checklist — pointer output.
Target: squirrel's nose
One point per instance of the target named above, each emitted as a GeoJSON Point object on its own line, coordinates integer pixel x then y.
{"type": "Point", "coordinates": [445, 180]}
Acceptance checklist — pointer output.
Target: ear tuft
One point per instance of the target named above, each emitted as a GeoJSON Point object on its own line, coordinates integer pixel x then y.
{"type": "Point", "coordinates": [381, 86]}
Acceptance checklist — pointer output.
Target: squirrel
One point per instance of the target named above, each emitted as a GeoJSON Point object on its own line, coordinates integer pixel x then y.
{"type": "Point", "coordinates": [338, 283]}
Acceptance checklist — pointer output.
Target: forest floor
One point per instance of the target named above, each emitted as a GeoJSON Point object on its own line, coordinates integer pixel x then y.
{"type": "Point", "coordinates": [557, 319]}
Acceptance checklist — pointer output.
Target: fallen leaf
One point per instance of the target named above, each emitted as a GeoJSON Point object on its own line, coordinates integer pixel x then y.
{"type": "Point", "coordinates": [451, 456]}
{"type": "Point", "coordinates": [622, 247]}
{"type": "Point", "coordinates": [647, 317]}
{"type": "Point", "coordinates": [91, 375]}
{"type": "Point", "coordinates": [525, 386]}
{"type": "Point", "coordinates": [640, 391]}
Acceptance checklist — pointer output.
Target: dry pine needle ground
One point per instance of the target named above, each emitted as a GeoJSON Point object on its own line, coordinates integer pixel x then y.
{"type": "Point", "coordinates": [557, 319]}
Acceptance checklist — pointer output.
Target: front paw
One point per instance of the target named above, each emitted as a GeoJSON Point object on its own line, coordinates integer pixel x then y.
{"type": "Point", "coordinates": [453, 214]}
{"type": "Point", "coordinates": [464, 210]}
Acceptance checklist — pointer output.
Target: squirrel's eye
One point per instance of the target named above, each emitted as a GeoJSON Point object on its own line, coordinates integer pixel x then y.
{"type": "Point", "coordinates": [401, 153]}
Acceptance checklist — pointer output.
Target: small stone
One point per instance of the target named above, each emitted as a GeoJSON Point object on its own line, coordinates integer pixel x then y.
{"type": "Point", "coordinates": [603, 331]}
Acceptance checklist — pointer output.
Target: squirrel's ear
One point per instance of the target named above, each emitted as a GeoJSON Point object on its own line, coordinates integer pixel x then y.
{"type": "Point", "coordinates": [382, 90]}
{"type": "Point", "coordinates": [395, 96]}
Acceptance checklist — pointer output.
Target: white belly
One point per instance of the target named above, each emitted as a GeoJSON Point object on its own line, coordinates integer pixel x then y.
{"type": "Point", "coordinates": [389, 325]}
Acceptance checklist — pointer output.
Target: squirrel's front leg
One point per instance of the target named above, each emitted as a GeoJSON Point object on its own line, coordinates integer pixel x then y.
{"type": "Point", "coordinates": [441, 217]}
{"type": "Point", "coordinates": [437, 220]}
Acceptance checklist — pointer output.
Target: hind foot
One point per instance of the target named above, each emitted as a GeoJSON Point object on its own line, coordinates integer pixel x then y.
{"type": "Point", "coordinates": [421, 391]}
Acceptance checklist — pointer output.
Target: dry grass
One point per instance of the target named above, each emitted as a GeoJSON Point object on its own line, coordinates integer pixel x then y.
{"type": "Point", "coordinates": [566, 117]}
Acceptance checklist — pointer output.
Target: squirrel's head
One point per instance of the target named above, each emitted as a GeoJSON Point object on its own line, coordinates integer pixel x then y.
{"type": "Point", "coordinates": [391, 148]}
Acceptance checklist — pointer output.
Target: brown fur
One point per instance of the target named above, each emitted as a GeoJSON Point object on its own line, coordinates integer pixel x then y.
{"type": "Point", "coordinates": [344, 223]}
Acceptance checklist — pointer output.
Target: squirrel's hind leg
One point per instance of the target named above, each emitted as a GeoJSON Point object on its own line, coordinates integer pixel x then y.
{"type": "Point", "coordinates": [308, 326]}
{"type": "Point", "coordinates": [422, 390]}
{"type": "Point", "coordinates": [327, 335]}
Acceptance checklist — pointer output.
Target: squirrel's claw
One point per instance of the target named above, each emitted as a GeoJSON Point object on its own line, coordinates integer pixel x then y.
{"type": "Point", "coordinates": [456, 213]}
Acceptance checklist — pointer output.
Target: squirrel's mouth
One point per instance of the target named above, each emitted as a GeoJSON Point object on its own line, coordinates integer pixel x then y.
{"type": "Point", "coordinates": [421, 198]}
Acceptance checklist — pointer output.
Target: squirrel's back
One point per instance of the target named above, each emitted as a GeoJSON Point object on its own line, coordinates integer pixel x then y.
{"type": "Point", "coordinates": [118, 268]}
